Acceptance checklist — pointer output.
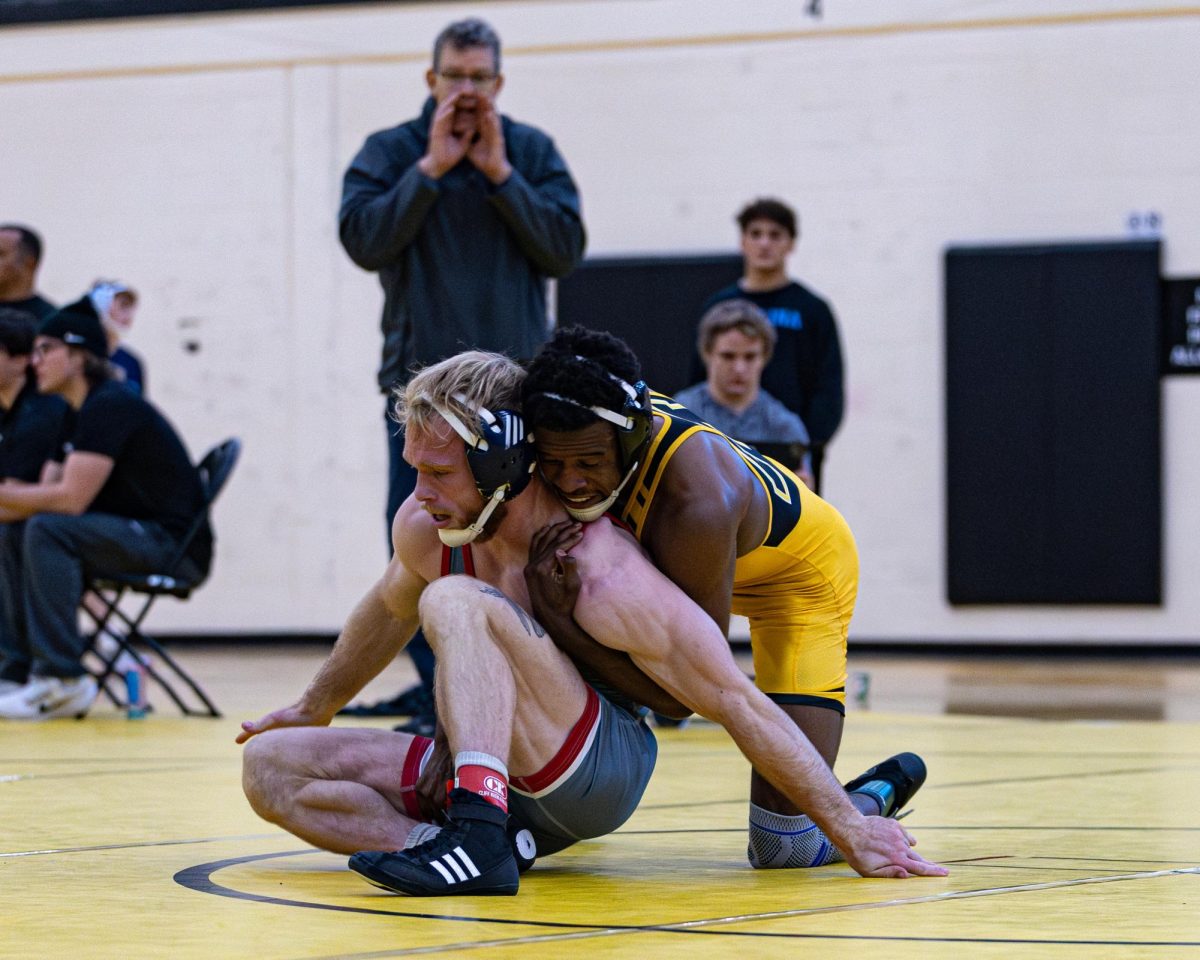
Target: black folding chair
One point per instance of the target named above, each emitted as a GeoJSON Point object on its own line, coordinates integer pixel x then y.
{"type": "Point", "coordinates": [173, 581]}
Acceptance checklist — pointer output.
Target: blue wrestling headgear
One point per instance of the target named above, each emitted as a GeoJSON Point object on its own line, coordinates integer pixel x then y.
{"type": "Point", "coordinates": [500, 456]}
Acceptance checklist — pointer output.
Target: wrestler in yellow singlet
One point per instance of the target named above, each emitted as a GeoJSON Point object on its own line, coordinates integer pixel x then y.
{"type": "Point", "coordinates": [797, 588]}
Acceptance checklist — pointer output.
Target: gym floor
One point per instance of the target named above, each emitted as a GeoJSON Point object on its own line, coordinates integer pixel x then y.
{"type": "Point", "coordinates": [1061, 794]}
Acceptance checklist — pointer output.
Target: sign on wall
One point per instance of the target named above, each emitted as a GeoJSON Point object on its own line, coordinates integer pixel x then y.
{"type": "Point", "coordinates": [1181, 326]}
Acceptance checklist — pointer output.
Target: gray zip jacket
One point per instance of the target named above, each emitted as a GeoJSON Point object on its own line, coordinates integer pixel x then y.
{"type": "Point", "coordinates": [463, 263]}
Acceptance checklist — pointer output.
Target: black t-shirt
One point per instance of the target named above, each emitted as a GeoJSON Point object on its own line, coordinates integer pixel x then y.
{"type": "Point", "coordinates": [36, 306]}
{"type": "Point", "coordinates": [152, 477]}
{"type": "Point", "coordinates": [32, 431]}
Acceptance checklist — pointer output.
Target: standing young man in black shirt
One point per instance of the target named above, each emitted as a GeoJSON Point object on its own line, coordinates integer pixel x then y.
{"type": "Point", "coordinates": [805, 372]}
{"type": "Point", "coordinates": [121, 502]}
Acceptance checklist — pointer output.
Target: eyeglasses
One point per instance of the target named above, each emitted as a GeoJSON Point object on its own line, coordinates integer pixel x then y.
{"type": "Point", "coordinates": [479, 81]}
{"type": "Point", "coordinates": [43, 348]}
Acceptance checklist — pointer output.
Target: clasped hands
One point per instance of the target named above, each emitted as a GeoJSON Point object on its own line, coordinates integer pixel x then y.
{"type": "Point", "coordinates": [482, 144]}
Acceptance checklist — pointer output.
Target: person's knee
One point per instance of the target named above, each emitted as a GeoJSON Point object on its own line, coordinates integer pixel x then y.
{"type": "Point", "coordinates": [787, 842]}
{"type": "Point", "coordinates": [265, 762]}
{"type": "Point", "coordinates": [46, 531]}
{"type": "Point", "coordinates": [444, 601]}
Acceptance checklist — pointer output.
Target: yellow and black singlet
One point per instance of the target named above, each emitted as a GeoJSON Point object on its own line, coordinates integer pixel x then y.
{"type": "Point", "coordinates": [797, 587]}
{"type": "Point", "coordinates": [679, 423]}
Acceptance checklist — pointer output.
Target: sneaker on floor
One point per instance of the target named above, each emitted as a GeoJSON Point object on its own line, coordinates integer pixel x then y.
{"type": "Point", "coordinates": [46, 698]}
{"type": "Point", "coordinates": [9, 686]}
{"type": "Point", "coordinates": [472, 855]}
{"type": "Point", "coordinates": [891, 783]}
{"type": "Point", "coordinates": [413, 702]}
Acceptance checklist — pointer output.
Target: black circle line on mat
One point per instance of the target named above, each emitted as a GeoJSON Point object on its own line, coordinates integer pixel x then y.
{"type": "Point", "coordinates": [199, 878]}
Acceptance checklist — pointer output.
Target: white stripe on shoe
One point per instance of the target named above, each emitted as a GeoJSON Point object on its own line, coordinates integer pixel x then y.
{"type": "Point", "coordinates": [449, 860]}
{"type": "Point", "coordinates": [467, 861]}
{"type": "Point", "coordinates": [456, 860]}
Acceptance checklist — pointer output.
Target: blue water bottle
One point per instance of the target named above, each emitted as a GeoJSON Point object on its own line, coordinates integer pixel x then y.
{"type": "Point", "coordinates": [135, 688]}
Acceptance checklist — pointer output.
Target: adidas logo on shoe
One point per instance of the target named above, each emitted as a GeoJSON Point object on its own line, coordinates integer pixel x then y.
{"type": "Point", "coordinates": [471, 855]}
{"type": "Point", "coordinates": [458, 861]}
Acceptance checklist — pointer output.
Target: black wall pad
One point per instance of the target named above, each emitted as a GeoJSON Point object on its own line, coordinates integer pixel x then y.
{"type": "Point", "coordinates": [652, 303]}
{"type": "Point", "coordinates": [1053, 450]}
{"type": "Point", "coordinates": [46, 11]}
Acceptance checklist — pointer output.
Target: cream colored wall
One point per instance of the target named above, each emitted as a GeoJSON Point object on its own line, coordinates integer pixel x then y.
{"type": "Point", "coordinates": [200, 158]}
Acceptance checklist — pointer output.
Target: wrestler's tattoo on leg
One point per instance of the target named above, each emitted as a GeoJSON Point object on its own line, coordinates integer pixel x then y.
{"type": "Point", "coordinates": [532, 627]}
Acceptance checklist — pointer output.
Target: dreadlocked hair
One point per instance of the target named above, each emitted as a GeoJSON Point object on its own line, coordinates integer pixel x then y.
{"type": "Point", "coordinates": [579, 364]}
{"type": "Point", "coordinates": [461, 384]}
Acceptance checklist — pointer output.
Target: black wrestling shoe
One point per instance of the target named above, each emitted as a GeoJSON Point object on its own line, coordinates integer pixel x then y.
{"type": "Point", "coordinates": [472, 855]}
{"type": "Point", "coordinates": [414, 702]}
{"type": "Point", "coordinates": [524, 846]}
{"type": "Point", "coordinates": [891, 783]}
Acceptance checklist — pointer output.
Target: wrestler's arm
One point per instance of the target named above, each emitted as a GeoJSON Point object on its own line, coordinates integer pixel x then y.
{"type": "Point", "coordinates": [691, 530]}
{"type": "Point", "coordinates": [553, 584]}
{"type": "Point", "coordinates": [626, 603]}
{"type": "Point", "coordinates": [378, 628]}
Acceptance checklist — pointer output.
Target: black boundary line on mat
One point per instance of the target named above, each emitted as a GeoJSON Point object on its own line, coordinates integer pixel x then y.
{"type": "Point", "coordinates": [199, 878]}
{"type": "Point", "coordinates": [924, 827]}
{"type": "Point", "coordinates": [1035, 778]}
{"type": "Point", "coordinates": [108, 772]}
{"type": "Point", "coordinates": [134, 845]}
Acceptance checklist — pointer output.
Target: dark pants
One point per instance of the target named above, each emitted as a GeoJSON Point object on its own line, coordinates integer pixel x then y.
{"type": "Point", "coordinates": [44, 562]}
{"type": "Point", "coordinates": [402, 480]}
{"type": "Point", "coordinates": [14, 648]}
{"type": "Point", "coordinates": [817, 457]}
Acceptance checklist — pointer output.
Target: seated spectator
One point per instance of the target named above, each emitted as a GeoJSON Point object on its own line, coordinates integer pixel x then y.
{"type": "Point", "coordinates": [121, 502]}
{"type": "Point", "coordinates": [32, 432]}
{"type": "Point", "coordinates": [20, 255]}
{"type": "Point", "coordinates": [31, 424]}
{"type": "Point", "coordinates": [736, 339]}
{"type": "Point", "coordinates": [116, 303]}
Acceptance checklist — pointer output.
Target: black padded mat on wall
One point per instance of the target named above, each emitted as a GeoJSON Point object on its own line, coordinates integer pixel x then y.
{"type": "Point", "coordinates": [1053, 451]}
{"type": "Point", "coordinates": [652, 303]}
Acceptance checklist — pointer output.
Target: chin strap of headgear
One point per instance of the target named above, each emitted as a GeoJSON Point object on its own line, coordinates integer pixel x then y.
{"type": "Point", "coordinates": [622, 422]}
{"type": "Point", "coordinates": [460, 538]}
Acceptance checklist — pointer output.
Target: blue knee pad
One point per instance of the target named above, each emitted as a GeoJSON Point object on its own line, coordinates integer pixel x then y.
{"type": "Point", "coordinates": [780, 842]}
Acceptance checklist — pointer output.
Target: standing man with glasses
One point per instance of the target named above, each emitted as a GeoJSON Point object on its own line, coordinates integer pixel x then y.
{"type": "Point", "coordinates": [464, 214]}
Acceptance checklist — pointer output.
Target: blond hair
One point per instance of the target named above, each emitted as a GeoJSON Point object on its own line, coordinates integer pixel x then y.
{"type": "Point", "coordinates": [461, 384]}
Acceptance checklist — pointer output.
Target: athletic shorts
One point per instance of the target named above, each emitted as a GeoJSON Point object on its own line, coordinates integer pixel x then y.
{"type": "Point", "coordinates": [799, 597]}
{"type": "Point", "coordinates": [588, 789]}
{"type": "Point", "coordinates": [594, 783]}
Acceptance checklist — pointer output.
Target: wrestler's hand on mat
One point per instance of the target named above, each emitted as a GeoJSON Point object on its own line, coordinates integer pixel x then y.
{"type": "Point", "coordinates": [431, 784]}
{"type": "Point", "coordinates": [293, 716]}
{"type": "Point", "coordinates": [551, 575]}
{"type": "Point", "coordinates": [882, 848]}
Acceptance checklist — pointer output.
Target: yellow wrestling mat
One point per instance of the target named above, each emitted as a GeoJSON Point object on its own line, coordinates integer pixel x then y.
{"type": "Point", "coordinates": [1067, 840]}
